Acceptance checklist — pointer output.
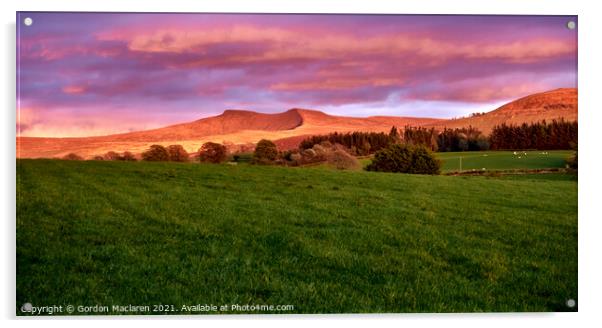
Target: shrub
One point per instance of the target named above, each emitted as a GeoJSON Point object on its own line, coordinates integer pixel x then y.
{"type": "Point", "coordinates": [72, 157]}
{"type": "Point", "coordinates": [156, 153]}
{"type": "Point", "coordinates": [127, 156]}
{"type": "Point", "coordinates": [112, 156]}
{"type": "Point", "coordinates": [177, 153]}
{"type": "Point", "coordinates": [424, 162]}
{"type": "Point", "coordinates": [320, 150]}
{"type": "Point", "coordinates": [265, 152]}
{"type": "Point", "coordinates": [341, 160]}
{"type": "Point", "coordinates": [321, 153]}
{"type": "Point", "coordinates": [295, 157]}
{"type": "Point", "coordinates": [98, 158]}
{"type": "Point", "coordinates": [212, 152]}
{"type": "Point", "coordinates": [288, 155]}
{"type": "Point", "coordinates": [405, 159]}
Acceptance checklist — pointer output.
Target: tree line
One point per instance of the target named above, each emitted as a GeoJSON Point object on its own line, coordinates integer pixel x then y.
{"type": "Point", "coordinates": [358, 143]}
{"type": "Point", "coordinates": [541, 135]}
{"type": "Point", "coordinates": [558, 134]}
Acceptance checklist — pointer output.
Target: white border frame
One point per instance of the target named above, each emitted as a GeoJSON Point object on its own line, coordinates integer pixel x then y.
{"type": "Point", "coordinates": [590, 110]}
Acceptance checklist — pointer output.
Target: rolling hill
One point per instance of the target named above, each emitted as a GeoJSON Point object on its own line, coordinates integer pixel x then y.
{"type": "Point", "coordinates": [555, 104]}
{"type": "Point", "coordinates": [232, 127]}
{"type": "Point", "coordinates": [241, 127]}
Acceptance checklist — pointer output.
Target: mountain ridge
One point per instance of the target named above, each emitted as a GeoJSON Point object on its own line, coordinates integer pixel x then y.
{"type": "Point", "coordinates": [288, 128]}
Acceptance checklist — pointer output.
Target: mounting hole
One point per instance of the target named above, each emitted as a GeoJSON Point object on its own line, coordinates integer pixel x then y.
{"type": "Point", "coordinates": [571, 303]}
{"type": "Point", "coordinates": [571, 25]}
{"type": "Point", "coordinates": [28, 21]}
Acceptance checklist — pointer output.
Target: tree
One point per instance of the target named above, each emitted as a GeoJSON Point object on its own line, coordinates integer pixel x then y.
{"type": "Point", "coordinates": [540, 135]}
{"type": "Point", "coordinates": [156, 153]}
{"type": "Point", "coordinates": [72, 157]}
{"type": "Point", "coordinates": [462, 139]}
{"type": "Point", "coordinates": [420, 136]}
{"type": "Point", "coordinates": [394, 134]}
{"type": "Point", "coordinates": [212, 152]}
{"type": "Point", "coordinates": [177, 153]}
{"type": "Point", "coordinates": [112, 156]}
{"type": "Point", "coordinates": [128, 156]}
{"type": "Point", "coordinates": [359, 143]}
{"type": "Point", "coordinates": [403, 158]}
{"type": "Point", "coordinates": [265, 152]}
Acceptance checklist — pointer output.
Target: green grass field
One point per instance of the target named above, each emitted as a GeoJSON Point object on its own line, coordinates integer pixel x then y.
{"type": "Point", "coordinates": [504, 160]}
{"type": "Point", "coordinates": [499, 160]}
{"type": "Point", "coordinates": [324, 241]}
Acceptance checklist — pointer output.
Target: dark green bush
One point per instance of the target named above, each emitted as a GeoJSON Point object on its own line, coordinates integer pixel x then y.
{"type": "Point", "coordinates": [405, 159]}
{"type": "Point", "coordinates": [265, 152]}
{"type": "Point", "coordinates": [72, 157]}
{"type": "Point", "coordinates": [156, 153]}
{"type": "Point", "coordinates": [128, 156]}
{"type": "Point", "coordinates": [212, 152]}
{"type": "Point", "coordinates": [112, 156]}
{"type": "Point", "coordinates": [177, 153]}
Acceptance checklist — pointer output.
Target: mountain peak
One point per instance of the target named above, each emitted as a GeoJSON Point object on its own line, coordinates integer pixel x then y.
{"type": "Point", "coordinates": [228, 112]}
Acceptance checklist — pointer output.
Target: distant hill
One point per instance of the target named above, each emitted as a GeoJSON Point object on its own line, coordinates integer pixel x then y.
{"type": "Point", "coordinates": [232, 127]}
{"type": "Point", "coordinates": [555, 104]}
{"type": "Point", "coordinates": [287, 129]}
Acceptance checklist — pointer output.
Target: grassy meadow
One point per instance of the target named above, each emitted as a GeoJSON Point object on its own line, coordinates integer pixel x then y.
{"type": "Point", "coordinates": [498, 160]}
{"type": "Point", "coordinates": [504, 160]}
{"type": "Point", "coordinates": [324, 241]}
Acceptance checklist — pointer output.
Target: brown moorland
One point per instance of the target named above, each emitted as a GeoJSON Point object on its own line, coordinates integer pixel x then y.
{"type": "Point", "coordinates": [551, 105]}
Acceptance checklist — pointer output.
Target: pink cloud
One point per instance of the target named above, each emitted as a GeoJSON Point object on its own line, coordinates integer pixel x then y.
{"type": "Point", "coordinates": [74, 89]}
{"type": "Point", "coordinates": [345, 59]}
{"type": "Point", "coordinates": [295, 43]}
{"type": "Point", "coordinates": [192, 65]}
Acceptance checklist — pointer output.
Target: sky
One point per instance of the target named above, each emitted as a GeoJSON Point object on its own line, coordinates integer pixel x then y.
{"type": "Point", "coordinates": [84, 74]}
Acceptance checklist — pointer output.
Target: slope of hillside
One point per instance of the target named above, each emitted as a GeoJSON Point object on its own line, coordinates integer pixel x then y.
{"type": "Point", "coordinates": [229, 121]}
{"type": "Point", "coordinates": [555, 104]}
{"type": "Point", "coordinates": [234, 127]}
